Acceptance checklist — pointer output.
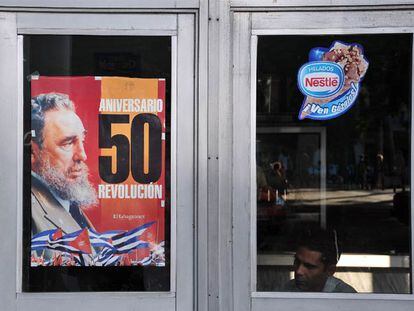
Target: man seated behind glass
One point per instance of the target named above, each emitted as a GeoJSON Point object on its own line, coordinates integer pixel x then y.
{"type": "Point", "coordinates": [315, 264]}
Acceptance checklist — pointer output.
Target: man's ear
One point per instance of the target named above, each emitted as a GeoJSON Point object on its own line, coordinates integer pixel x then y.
{"type": "Point", "coordinates": [35, 155]}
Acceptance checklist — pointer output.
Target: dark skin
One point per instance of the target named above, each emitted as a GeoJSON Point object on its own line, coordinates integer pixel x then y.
{"type": "Point", "coordinates": [310, 271]}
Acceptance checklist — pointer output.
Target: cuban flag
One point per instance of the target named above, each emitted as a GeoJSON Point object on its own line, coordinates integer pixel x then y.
{"type": "Point", "coordinates": [145, 261]}
{"type": "Point", "coordinates": [41, 240]}
{"type": "Point", "coordinates": [102, 239]}
{"type": "Point", "coordinates": [107, 258]}
{"type": "Point", "coordinates": [130, 240]}
{"type": "Point", "coordinates": [156, 256]}
{"type": "Point", "coordinates": [76, 242]}
{"type": "Point", "coordinates": [108, 235]}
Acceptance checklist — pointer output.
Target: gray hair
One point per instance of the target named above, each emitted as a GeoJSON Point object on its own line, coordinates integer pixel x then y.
{"type": "Point", "coordinates": [43, 103]}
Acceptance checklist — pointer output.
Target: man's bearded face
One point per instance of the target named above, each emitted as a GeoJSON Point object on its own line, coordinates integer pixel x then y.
{"type": "Point", "coordinates": [60, 161]}
{"type": "Point", "coordinates": [78, 190]}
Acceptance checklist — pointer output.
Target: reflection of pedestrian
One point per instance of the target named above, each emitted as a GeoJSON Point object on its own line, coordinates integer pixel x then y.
{"type": "Point", "coordinates": [285, 160]}
{"type": "Point", "coordinates": [261, 182]}
{"type": "Point", "coordinates": [260, 177]}
{"type": "Point", "coordinates": [277, 178]}
{"type": "Point", "coordinates": [350, 175]}
{"type": "Point", "coordinates": [399, 169]}
{"type": "Point", "coordinates": [304, 165]}
{"type": "Point", "coordinates": [362, 172]}
{"type": "Point", "coordinates": [379, 171]}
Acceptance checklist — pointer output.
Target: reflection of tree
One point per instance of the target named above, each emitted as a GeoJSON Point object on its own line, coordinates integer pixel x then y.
{"type": "Point", "coordinates": [381, 109]}
{"type": "Point", "coordinates": [378, 122]}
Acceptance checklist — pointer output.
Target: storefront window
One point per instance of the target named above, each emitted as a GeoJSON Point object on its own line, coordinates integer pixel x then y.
{"type": "Point", "coordinates": [333, 183]}
{"type": "Point", "coordinates": [97, 168]}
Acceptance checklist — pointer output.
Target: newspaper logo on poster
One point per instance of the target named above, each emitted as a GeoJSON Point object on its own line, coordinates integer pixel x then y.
{"type": "Point", "coordinates": [98, 171]}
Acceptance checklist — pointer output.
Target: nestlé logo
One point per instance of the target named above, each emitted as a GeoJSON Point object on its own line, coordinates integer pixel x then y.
{"type": "Point", "coordinates": [320, 79]}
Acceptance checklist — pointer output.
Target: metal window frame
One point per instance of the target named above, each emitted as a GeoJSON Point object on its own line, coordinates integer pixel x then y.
{"type": "Point", "coordinates": [181, 28]}
{"type": "Point", "coordinates": [103, 4]}
{"type": "Point", "coordinates": [298, 4]}
{"type": "Point", "coordinates": [247, 26]}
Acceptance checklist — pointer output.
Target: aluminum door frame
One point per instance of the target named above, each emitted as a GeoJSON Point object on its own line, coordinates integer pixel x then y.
{"type": "Point", "coordinates": [181, 28]}
{"type": "Point", "coordinates": [246, 27]}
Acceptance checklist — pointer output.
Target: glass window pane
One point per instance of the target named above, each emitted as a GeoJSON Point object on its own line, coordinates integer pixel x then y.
{"type": "Point", "coordinates": [85, 113]}
{"type": "Point", "coordinates": [337, 187]}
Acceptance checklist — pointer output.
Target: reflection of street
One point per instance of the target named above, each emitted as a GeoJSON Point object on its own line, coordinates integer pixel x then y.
{"type": "Point", "coordinates": [313, 197]}
{"type": "Point", "coordinates": [374, 240]}
{"type": "Point", "coordinates": [366, 221]}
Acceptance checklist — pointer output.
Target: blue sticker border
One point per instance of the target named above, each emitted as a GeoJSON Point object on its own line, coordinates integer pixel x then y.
{"type": "Point", "coordinates": [358, 84]}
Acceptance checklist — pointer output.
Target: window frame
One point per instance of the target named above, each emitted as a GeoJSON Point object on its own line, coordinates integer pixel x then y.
{"type": "Point", "coordinates": [121, 4]}
{"type": "Point", "coordinates": [305, 3]}
{"type": "Point", "coordinates": [181, 28]}
{"type": "Point", "coordinates": [247, 26]}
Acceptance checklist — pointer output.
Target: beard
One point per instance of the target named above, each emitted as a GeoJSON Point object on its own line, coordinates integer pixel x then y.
{"type": "Point", "coordinates": [79, 191]}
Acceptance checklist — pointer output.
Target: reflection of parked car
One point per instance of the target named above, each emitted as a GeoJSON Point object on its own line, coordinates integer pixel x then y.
{"type": "Point", "coordinates": [271, 209]}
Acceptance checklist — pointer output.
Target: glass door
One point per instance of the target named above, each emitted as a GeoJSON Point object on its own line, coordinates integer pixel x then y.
{"type": "Point", "coordinates": [326, 152]}
{"type": "Point", "coordinates": [105, 163]}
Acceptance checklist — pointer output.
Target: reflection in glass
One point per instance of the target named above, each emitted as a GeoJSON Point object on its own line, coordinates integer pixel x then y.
{"type": "Point", "coordinates": [134, 57]}
{"type": "Point", "coordinates": [345, 180]}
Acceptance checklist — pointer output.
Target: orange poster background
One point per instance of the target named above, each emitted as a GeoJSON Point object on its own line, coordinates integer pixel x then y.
{"type": "Point", "coordinates": [86, 93]}
{"type": "Point", "coordinates": [145, 210]}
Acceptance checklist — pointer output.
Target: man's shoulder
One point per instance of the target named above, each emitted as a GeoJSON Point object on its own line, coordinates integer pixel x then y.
{"type": "Point", "coordinates": [38, 185]}
{"type": "Point", "coordinates": [290, 286]}
{"type": "Point", "coordinates": [47, 212]}
{"type": "Point", "coordinates": [43, 194]}
{"type": "Point", "coordinates": [335, 285]}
